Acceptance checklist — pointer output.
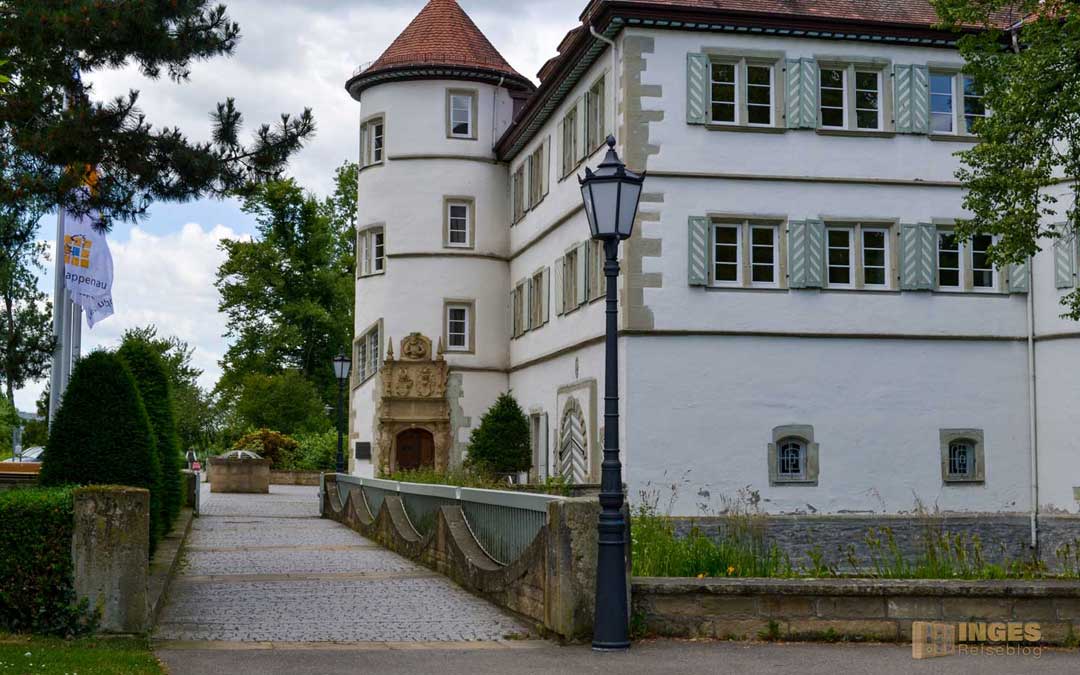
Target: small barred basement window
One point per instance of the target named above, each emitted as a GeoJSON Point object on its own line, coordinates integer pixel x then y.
{"type": "Point", "coordinates": [792, 459]}
{"type": "Point", "coordinates": [962, 456]}
{"type": "Point", "coordinates": [793, 455]}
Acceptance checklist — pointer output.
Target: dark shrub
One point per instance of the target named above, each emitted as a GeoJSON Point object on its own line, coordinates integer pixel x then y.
{"type": "Point", "coordinates": [281, 450]}
{"type": "Point", "coordinates": [37, 593]}
{"type": "Point", "coordinates": [101, 434]}
{"type": "Point", "coordinates": [501, 443]}
{"type": "Point", "coordinates": [151, 378]}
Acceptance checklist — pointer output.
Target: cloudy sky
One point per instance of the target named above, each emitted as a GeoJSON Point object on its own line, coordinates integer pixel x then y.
{"type": "Point", "coordinates": [291, 55]}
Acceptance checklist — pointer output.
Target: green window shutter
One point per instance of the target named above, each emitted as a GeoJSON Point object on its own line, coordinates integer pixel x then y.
{"type": "Point", "coordinates": [1064, 259]}
{"type": "Point", "coordinates": [1019, 281]}
{"type": "Point", "coordinates": [545, 295]}
{"type": "Point", "coordinates": [911, 99]}
{"type": "Point", "coordinates": [697, 262]}
{"type": "Point", "coordinates": [697, 88]}
{"type": "Point", "coordinates": [513, 317]}
{"type": "Point", "coordinates": [526, 305]}
{"type": "Point", "coordinates": [581, 271]}
{"type": "Point", "coordinates": [802, 93]}
{"type": "Point", "coordinates": [918, 256]}
{"type": "Point", "coordinates": [558, 285]}
{"type": "Point", "coordinates": [806, 254]}
{"type": "Point", "coordinates": [583, 147]}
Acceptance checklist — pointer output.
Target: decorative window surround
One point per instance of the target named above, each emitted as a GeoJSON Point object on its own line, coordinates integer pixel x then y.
{"type": "Point", "coordinates": [737, 90]}
{"type": "Point", "coordinates": [788, 438]}
{"type": "Point", "coordinates": [372, 141]}
{"type": "Point", "coordinates": [459, 325]}
{"type": "Point", "coordinates": [963, 456]}
{"type": "Point", "coordinates": [459, 221]}
{"type": "Point", "coordinates": [461, 113]}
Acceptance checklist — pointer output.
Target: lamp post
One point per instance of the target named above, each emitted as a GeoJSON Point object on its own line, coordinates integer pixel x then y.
{"type": "Point", "coordinates": [342, 365]}
{"type": "Point", "coordinates": [611, 196]}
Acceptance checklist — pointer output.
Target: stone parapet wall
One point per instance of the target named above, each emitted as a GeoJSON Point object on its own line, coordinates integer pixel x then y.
{"type": "Point", "coordinates": [239, 475]}
{"type": "Point", "coordinates": [294, 477]}
{"type": "Point", "coordinates": [552, 582]}
{"type": "Point", "coordinates": [852, 609]}
{"type": "Point", "coordinates": [1000, 535]}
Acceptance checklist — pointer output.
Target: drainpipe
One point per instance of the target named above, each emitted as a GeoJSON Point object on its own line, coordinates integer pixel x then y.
{"type": "Point", "coordinates": [1033, 436]}
{"type": "Point", "coordinates": [614, 75]}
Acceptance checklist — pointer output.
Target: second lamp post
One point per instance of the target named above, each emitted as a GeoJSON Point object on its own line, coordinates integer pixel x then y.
{"type": "Point", "coordinates": [611, 196]}
{"type": "Point", "coordinates": [342, 366]}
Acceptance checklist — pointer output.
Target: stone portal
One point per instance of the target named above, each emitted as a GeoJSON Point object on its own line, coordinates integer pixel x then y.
{"type": "Point", "coordinates": [412, 415]}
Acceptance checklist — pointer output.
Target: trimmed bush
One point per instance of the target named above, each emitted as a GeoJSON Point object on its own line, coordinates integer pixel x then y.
{"type": "Point", "coordinates": [37, 592]}
{"type": "Point", "coordinates": [317, 452]}
{"type": "Point", "coordinates": [102, 436]}
{"type": "Point", "coordinates": [500, 444]}
{"type": "Point", "coordinates": [148, 369]}
{"type": "Point", "coordinates": [280, 449]}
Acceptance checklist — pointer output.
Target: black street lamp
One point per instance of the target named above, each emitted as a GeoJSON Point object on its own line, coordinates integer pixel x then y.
{"type": "Point", "coordinates": [342, 365]}
{"type": "Point", "coordinates": [611, 196]}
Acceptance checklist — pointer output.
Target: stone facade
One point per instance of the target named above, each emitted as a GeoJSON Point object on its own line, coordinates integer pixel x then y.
{"type": "Point", "coordinates": [850, 609]}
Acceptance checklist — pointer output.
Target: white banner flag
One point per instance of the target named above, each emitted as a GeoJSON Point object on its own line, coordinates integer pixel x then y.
{"type": "Point", "coordinates": [88, 268]}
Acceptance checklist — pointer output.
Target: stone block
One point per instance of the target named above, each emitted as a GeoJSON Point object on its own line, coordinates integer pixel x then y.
{"type": "Point", "coordinates": [239, 475]}
{"type": "Point", "coordinates": [990, 609]}
{"type": "Point", "coordinates": [1058, 632]}
{"type": "Point", "coordinates": [110, 549]}
{"type": "Point", "coordinates": [191, 490]}
{"type": "Point", "coordinates": [851, 607]}
{"type": "Point", "coordinates": [914, 607]}
{"type": "Point", "coordinates": [1034, 609]}
{"type": "Point", "coordinates": [786, 605]}
{"type": "Point", "coordinates": [1068, 609]}
{"type": "Point", "coordinates": [869, 630]}
{"type": "Point", "coordinates": [741, 629]}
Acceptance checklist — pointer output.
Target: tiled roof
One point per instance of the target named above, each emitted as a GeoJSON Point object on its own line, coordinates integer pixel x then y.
{"type": "Point", "coordinates": [888, 12]}
{"type": "Point", "coordinates": [442, 34]}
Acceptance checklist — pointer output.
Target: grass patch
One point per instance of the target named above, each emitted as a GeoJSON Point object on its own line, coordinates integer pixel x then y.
{"type": "Point", "coordinates": [85, 656]}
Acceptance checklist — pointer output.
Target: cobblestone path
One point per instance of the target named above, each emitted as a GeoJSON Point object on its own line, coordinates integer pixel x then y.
{"type": "Point", "coordinates": [266, 568]}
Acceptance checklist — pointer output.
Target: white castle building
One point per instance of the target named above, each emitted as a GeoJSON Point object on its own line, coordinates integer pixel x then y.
{"type": "Point", "coordinates": [796, 317]}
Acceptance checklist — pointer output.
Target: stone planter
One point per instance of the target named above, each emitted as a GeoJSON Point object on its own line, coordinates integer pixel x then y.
{"type": "Point", "coordinates": [239, 475]}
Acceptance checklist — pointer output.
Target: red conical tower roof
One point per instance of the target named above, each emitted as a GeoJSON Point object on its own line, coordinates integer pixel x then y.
{"type": "Point", "coordinates": [442, 41]}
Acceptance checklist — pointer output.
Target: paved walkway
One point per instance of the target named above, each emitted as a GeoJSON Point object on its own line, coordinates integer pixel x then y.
{"type": "Point", "coordinates": [266, 569]}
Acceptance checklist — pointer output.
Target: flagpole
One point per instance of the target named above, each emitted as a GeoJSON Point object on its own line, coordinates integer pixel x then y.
{"type": "Point", "coordinates": [76, 333]}
{"type": "Point", "coordinates": [57, 381]}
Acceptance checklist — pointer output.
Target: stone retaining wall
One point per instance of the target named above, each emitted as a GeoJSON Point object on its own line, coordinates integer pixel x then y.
{"type": "Point", "coordinates": [294, 477]}
{"type": "Point", "coordinates": [1000, 534]}
{"type": "Point", "coordinates": [852, 609]}
{"type": "Point", "coordinates": [552, 582]}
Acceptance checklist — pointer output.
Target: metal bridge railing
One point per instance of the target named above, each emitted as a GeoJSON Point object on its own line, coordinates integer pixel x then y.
{"type": "Point", "coordinates": [503, 523]}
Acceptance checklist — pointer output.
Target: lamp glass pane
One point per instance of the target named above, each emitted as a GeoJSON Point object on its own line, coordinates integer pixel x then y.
{"type": "Point", "coordinates": [605, 195]}
{"type": "Point", "coordinates": [629, 196]}
{"type": "Point", "coordinates": [586, 198]}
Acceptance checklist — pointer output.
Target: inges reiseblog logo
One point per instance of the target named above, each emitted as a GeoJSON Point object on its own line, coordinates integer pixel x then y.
{"type": "Point", "coordinates": [931, 639]}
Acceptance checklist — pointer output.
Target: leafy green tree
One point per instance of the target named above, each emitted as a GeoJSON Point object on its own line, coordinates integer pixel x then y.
{"type": "Point", "coordinates": [1025, 62]}
{"type": "Point", "coordinates": [148, 369]}
{"type": "Point", "coordinates": [501, 443]}
{"type": "Point", "coordinates": [9, 420]}
{"type": "Point", "coordinates": [287, 402]}
{"type": "Point", "coordinates": [288, 295]}
{"type": "Point", "coordinates": [102, 435]}
{"type": "Point", "coordinates": [51, 122]}
{"type": "Point", "coordinates": [26, 332]}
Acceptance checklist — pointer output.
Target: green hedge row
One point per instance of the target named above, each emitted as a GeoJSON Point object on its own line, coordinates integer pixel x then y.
{"type": "Point", "coordinates": [37, 593]}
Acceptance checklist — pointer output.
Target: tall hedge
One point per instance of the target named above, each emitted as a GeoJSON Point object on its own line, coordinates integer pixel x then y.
{"type": "Point", "coordinates": [501, 443]}
{"type": "Point", "coordinates": [101, 434]}
{"type": "Point", "coordinates": [152, 380]}
{"type": "Point", "coordinates": [37, 585]}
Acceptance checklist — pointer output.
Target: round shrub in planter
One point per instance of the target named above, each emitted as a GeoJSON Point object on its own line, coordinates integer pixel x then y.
{"type": "Point", "coordinates": [152, 380]}
{"type": "Point", "coordinates": [280, 449]}
{"type": "Point", "coordinates": [102, 436]}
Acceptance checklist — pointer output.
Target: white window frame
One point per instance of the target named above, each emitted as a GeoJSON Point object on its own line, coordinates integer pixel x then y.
{"type": "Point", "coordinates": [734, 84]}
{"type": "Point", "coordinates": [568, 144]}
{"type": "Point", "coordinates": [741, 85]}
{"type": "Point", "coordinates": [962, 80]}
{"type": "Point", "coordinates": [536, 300]}
{"type": "Point", "coordinates": [744, 253]}
{"type": "Point", "coordinates": [966, 262]}
{"type": "Point", "coordinates": [886, 233]}
{"type": "Point", "coordinates": [374, 144]}
{"type": "Point", "coordinates": [843, 96]}
{"type": "Point", "coordinates": [829, 266]}
{"type": "Point", "coordinates": [771, 67]}
{"type": "Point", "coordinates": [466, 332]}
{"type": "Point", "coordinates": [958, 96]}
{"type": "Point", "coordinates": [774, 246]}
{"type": "Point", "coordinates": [368, 353]}
{"type": "Point", "coordinates": [569, 279]}
{"type": "Point", "coordinates": [953, 127]}
{"type": "Point", "coordinates": [849, 95]}
{"type": "Point", "coordinates": [454, 96]}
{"type": "Point", "coordinates": [857, 278]}
{"type": "Point", "coordinates": [594, 115]}
{"type": "Point", "coordinates": [371, 251]}
{"type": "Point", "coordinates": [739, 258]}
{"type": "Point", "coordinates": [451, 204]}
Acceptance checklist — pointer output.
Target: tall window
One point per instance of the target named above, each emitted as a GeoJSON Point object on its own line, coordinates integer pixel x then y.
{"type": "Point", "coordinates": [536, 175]}
{"type": "Point", "coordinates": [946, 117]}
{"type": "Point", "coordinates": [536, 300]}
{"type": "Point", "coordinates": [373, 351]}
{"type": "Point", "coordinates": [370, 251]}
{"type": "Point", "coordinates": [519, 310]}
{"type": "Point", "coordinates": [517, 193]}
{"type": "Point", "coordinates": [458, 223]}
{"type": "Point", "coordinates": [368, 357]}
{"type": "Point", "coordinates": [458, 328]}
{"type": "Point", "coordinates": [863, 110]}
{"type": "Point", "coordinates": [791, 459]}
{"type": "Point", "coordinates": [569, 279]}
{"type": "Point", "coordinates": [745, 254]}
{"type": "Point", "coordinates": [461, 108]}
{"type": "Point", "coordinates": [569, 150]}
{"type": "Point", "coordinates": [597, 280]}
{"type": "Point", "coordinates": [371, 135]}
{"type": "Point", "coordinates": [965, 265]}
{"type": "Point", "coordinates": [857, 256]}
{"type": "Point", "coordinates": [741, 92]}
{"type": "Point", "coordinates": [594, 116]}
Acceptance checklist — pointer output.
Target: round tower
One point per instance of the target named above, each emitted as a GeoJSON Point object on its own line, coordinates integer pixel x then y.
{"type": "Point", "coordinates": [432, 286]}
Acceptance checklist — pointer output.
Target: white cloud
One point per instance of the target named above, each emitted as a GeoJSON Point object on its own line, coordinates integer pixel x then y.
{"type": "Point", "coordinates": [166, 280]}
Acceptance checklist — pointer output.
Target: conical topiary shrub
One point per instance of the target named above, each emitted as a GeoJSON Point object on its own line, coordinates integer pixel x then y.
{"type": "Point", "coordinates": [152, 380]}
{"type": "Point", "coordinates": [102, 435]}
{"type": "Point", "coordinates": [500, 444]}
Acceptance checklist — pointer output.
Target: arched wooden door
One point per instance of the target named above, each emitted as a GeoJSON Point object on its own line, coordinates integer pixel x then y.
{"type": "Point", "coordinates": [415, 450]}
